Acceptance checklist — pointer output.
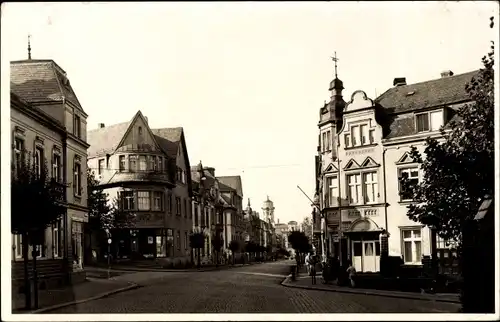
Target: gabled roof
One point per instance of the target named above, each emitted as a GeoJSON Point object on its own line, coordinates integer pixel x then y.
{"type": "Point", "coordinates": [173, 136]}
{"type": "Point", "coordinates": [233, 182]}
{"type": "Point", "coordinates": [38, 81]}
{"type": "Point", "coordinates": [436, 92]}
{"type": "Point", "coordinates": [106, 140]}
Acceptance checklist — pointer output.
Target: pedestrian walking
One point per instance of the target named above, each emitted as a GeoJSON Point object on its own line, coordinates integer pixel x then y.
{"type": "Point", "coordinates": [312, 267]}
{"type": "Point", "coordinates": [352, 273]}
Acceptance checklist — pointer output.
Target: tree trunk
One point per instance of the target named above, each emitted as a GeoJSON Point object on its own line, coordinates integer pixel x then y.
{"type": "Point", "coordinates": [27, 284]}
{"type": "Point", "coordinates": [35, 278]}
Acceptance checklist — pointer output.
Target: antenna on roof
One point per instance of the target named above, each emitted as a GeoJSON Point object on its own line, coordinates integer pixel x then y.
{"type": "Point", "coordinates": [29, 46]}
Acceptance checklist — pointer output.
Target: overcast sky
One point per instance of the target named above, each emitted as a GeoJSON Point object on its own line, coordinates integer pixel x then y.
{"type": "Point", "coordinates": [245, 80]}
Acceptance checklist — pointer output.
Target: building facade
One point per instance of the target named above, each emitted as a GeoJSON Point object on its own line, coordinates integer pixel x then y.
{"type": "Point", "coordinates": [363, 154]}
{"type": "Point", "coordinates": [145, 173]}
{"type": "Point", "coordinates": [48, 121]}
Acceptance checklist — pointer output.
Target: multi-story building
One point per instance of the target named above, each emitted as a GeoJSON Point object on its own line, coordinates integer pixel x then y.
{"type": "Point", "coordinates": [147, 172]}
{"type": "Point", "coordinates": [232, 192]}
{"type": "Point", "coordinates": [363, 149]}
{"type": "Point", "coordinates": [293, 226]}
{"type": "Point", "coordinates": [48, 121]}
{"type": "Point", "coordinates": [281, 230]}
{"type": "Point", "coordinates": [212, 211]}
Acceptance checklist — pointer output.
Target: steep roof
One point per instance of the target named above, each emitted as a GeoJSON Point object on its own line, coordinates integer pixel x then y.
{"type": "Point", "coordinates": [41, 81]}
{"type": "Point", "coordinates": [233, 182]}
{"type": "Point", "coordinates": [436, 92]}
{"type": "Point", "coordinates": [172, 139]}
{"type": "Point", "coordinates": [106, 140]}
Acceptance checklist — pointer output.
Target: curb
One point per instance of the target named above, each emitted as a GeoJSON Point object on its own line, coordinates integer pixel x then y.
{"type": "Point", "coordinates": [96, 297]}
{"type": "Point", "coordinates": [169, 270]}
{"type": "Point", "coordinates": [287, 283]}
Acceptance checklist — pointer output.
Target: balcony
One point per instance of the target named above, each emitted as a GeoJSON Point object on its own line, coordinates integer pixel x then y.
{"type": "Point", "coordinates": [138, 176]}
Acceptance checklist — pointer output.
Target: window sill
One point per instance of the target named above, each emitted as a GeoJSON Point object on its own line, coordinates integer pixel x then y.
{"type": "Point", "coordinates": [360, 146]}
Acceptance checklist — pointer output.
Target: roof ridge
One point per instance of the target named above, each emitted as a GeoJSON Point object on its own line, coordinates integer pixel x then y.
{"type": "Point", "coordinates": [438, 79]}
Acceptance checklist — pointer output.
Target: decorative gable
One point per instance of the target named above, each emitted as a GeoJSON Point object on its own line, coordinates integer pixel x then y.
{"type": "Point", "coordinates": [351, 165]}
{"type": "Point", "coordinates": [359, 101]}
{"type": "Point", "coordinates": [331, 168]}
{"type": "Point", "coordinates": [406, 158]}
{"type": "Point", "coordinates": [369, 163]}
{"type": "Point", "coordinates": [139, 134]}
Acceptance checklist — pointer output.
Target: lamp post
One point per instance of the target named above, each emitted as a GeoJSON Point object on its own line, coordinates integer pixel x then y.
{"type": "Point", "coordinates": [108, 234]}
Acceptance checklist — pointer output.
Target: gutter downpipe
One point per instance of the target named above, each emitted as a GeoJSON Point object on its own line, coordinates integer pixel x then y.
{"type": "Point", "coordinates": [385, 192]}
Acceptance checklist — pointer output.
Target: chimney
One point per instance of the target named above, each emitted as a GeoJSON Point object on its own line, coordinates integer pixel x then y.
{"type": "Point", "coordinates": [100, 125]}
{"type": "Point", "coordinates": [399, 81]}
{"type": "Point", "coordinates": [446, 73]}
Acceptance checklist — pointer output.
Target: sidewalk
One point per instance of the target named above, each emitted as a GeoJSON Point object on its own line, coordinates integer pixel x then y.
{"type": "Point", "coordinates": [303, 281]}
{"type": "Point", "coordinates": [89, 290]}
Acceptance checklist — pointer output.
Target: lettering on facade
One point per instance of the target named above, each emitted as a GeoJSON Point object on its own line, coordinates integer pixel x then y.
{"type": "Point", "coordinates": [371, 212]}
{"type": "Point", "coordinates": [354, 214]}
{"type": "Point", "coordinates": [332, 216]}
{"type": "Point", "coordinates": [357, 152]}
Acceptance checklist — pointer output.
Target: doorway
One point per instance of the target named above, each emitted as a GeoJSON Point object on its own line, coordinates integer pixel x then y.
{"type": "Point", "coordinates": [366, 255]}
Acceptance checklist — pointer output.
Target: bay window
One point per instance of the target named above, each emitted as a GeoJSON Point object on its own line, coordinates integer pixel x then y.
{"type": "Point", "coordinates": [412, 245]}
{"type": "Point", "coordinates": [142, 163]}
{"type": "Point", "coordinates": [132, 162]}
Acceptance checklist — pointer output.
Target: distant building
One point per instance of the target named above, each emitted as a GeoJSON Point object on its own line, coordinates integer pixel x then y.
{"type": "Point", "coordinates": [293, 226]}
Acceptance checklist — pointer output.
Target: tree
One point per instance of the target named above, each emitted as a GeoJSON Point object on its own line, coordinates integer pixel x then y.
{"type": "Point", "coordinates": [299, 242]}
{"type": "Point", "coordinates": [197, 241]}
{"type": "Point", "coordinates": [235, 247]}
{"type": "Point", "coordinates": [217, 243]}
{"type": "Point", "coordinates": [459, 171]}
{"type": "Point", "coordinates": [37, 202]}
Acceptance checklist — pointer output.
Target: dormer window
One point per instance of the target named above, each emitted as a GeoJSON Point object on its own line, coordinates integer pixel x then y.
{"type": "Point", "coordinates": [429, 121]}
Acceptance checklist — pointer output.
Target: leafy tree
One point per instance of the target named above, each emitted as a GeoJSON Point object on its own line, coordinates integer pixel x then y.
{"type": "Point", "coordinates": [197, 241]}
{"type": "Point", "coordinates": [235, 247]}
{"type": "Point", "coordinates": [97, 202]}
{"type": "Point", "coordinates": [37, 202]}
{"type": "Point", "coordinates": [459, 171]}
{"type": "Point", "coordinates": [299, 242]}
{"type": "Point", "coordinates": [217, 243]}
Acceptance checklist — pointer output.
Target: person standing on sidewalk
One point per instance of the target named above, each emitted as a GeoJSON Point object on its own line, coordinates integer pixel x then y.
{"type": "Point", "coordinates": [312, 268]}
{"type": "Point", "coordinates": [352, 273]}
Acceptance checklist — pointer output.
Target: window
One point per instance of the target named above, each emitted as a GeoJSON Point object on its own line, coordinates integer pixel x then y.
{"type": "Point", "coordinates": [160, 164]}
{"type": "Point", "coordinates": [77, 243]}
{"type": "Point", "coordinates": [178, 240]}
{"type": "Point", "coordinates": [356, 140]}
{"type": "Point", "coordinates": [333, 190]}
{"type": "Point", "coordinates": [429, 121]}
{"type": "Point", "coordinates": [442, 243]}
{"type": "Point", "coordinates": [121, 159]}
{"type": "Point", "coordinates": [371, 187]}
{"type": "Point", "coordinates": [100, 166]}
{"type": "Point", "coordinates": [128, 200]}
{"type": "Point", "coordinates": [57, 239]}
{"type": "Point", "coordinates": [56, 167]}
{"type": "Point", "coordinates": [38, 160]}
{"type": "Point", "coordinates": [186, 240]}
{"type": "Point", "coordinates": [132, 162]}
{"type": "Point", "coordinates": [185, 208]}
{"type": "Point", "coordinates": [412, 174]}
{"type": "Point", "coordinates": [77, 179]}
{"type": "Point", "coordinates": [18, 245]}
{"type": "Point", "coordinates": [177, 206]}
{"type": "Point", "coordinates": [77, 126]}
{"type": "Point", "coordinates": [157, 200]}
{"type": "Point", "coordinates": [152, 162]}
{"type": "Point", "coordinates": [324, 141]}
{"type": "Point", "coordinates": [18, 151]}
{"type": "Point", "coordinates": [142, 163]}
{"type": "Point", "coordinates": [412, 246]}
{"type": "Point", "coordinates": [143, 200]}
{"type": "Point", "coordinates": [169, 203]}
{"type": "Point", "coordinates": [139, 130]}
{"type": "Point", "coordinates": [328, 143]}
{"type": "Point", "coordinates": [347, 138]}
{"type": "Point", "coordinates": [371, 135]}
{"type": "Point", "coordinates": [364, 134]}
{"type": "Point", "coordinates": [354, 183]}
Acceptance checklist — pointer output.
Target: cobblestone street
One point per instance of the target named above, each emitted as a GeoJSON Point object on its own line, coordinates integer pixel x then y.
{"type": "Point", "coordinates": [250, 289]}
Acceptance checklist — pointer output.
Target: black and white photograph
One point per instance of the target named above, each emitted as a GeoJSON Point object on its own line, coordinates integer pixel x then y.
{"type": "Point", "coordinates": [324, 160]}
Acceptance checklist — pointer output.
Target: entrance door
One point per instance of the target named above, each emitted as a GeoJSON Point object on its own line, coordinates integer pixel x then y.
{"type": "Point", "coordinates": [366, 255]}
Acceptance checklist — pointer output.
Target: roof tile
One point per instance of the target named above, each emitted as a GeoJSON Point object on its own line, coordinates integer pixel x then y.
{"type": "Point", "coordinates": [106, 140]}
{"type": "Point", "coordinates": [233, 182]}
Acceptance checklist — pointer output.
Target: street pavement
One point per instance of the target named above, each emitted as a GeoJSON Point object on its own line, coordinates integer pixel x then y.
{"type": "Point", "coordinates": [249, 289]}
